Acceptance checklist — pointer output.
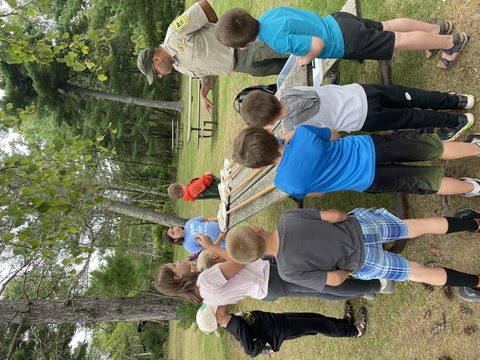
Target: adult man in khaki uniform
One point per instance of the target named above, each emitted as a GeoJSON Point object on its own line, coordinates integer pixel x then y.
{"type": "Point", "coordinates": [191, 48]}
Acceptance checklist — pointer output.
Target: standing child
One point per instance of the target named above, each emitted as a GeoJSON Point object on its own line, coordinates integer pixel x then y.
{"type": "Point", "coordinates": [202, 188]}
{"type": "Point", "coordinates": [318, 248]}
{"type": "Point", "coordinates": [367, 163]}
{"type": "Point", "coordinates": [253, 330]}
{"type": "Point", "coordinates": [340, 35]}
{"type": "Point", "coordinates": [357, 107]}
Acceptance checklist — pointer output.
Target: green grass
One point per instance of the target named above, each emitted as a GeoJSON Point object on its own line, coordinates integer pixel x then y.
{"type": "Point", "coordinates": [398, 327]}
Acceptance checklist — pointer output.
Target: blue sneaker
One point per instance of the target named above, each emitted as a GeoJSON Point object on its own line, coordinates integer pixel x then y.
{"type": "Point", "coordinates": [465, 101]}
{"type": "Point", "coordinates": [469, 294]}
{"type": "Point", "coordinates": [465, 122]}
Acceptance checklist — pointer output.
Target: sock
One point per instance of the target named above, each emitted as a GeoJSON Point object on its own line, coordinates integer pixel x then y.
{"type": "Point", "coordinates": [456, 225]}
{"type": "Point", "coordinates": [476, 186]}
{"type": "Point", "coordinates": [457, 278]}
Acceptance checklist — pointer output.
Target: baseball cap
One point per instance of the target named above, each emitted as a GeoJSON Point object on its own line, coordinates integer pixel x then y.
{"type": "Point", "coordinates": [144, 63]}
{"type": "Point", "coordinates": [469, 294]}
{"type": "Point", "coordinates": [206, 319]}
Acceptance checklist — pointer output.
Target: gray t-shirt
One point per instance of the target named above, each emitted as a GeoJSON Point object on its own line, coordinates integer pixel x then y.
{"type": "Point", "coordinates": [343, 108]}
{"type": "Point", "coordinates": [310, 247]}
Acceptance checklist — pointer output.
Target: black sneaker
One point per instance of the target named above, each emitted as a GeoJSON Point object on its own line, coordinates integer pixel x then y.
{"type": "Point", "coordinates": [469, 294]}
{"type": "Point", "coordinates": [473, 138]}
{"type": "Point", "coordinates": [465, 101]}
{"type": "Point", "coordinates": [334, 77]}
{"type": "Point", "coordinates": [465, 122]}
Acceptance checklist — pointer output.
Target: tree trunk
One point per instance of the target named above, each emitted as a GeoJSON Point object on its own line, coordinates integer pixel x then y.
{"type": "Point", "coordinates": [146, 214]}
{"type": "Point", "coordinates": [170, 105]}
{"type": "Point", "coordinates": [139, 308]}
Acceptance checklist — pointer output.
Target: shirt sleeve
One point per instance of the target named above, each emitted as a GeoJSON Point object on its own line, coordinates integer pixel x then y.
{"type": "Point", "coordinates": [191, 20]}
{"type": "Point", "coordinates": [212, 278]}
{"type": "Point", "coordinates": [299, 45]}
{"type": "Point", "coordinates": [323, 133]}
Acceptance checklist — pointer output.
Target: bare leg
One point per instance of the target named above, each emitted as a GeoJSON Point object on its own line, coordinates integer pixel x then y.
{"type": "Point", "coordinates": [458, 150]}
{"type": "Point", "coordinates": [450, 186]}
{"type": "Point", "coordinates": [420, 40]}
{"type": "Point", "coordinates": [426, 274]}
{"type": "Point", "coordinates": [407, 25]}
{"type": "Point", "coordinates": [430, 225]}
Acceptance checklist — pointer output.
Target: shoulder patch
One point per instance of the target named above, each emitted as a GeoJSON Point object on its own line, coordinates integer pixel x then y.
{"type": "Point", "coordinates": [180, 22]}
{"type": "Point", "coordinates": [180, 47]}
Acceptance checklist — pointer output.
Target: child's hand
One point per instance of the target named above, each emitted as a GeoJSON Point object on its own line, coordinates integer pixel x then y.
{"type": "Point", "coordinates": [204, 241]}
{"type": "Point", "coordinates": [272, 353]}
{"type": "Point", "coordinates": [302, 61]}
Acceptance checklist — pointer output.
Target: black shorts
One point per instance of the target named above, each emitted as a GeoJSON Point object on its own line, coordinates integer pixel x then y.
{"type": "Point", "coordinates": [364, 39]}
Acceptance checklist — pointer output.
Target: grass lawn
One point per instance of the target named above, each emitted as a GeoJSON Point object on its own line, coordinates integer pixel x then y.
{"type": "Point", "coordinates": [399, 324]}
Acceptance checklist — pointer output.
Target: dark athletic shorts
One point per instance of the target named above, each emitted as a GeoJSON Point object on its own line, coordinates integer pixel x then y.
{"type": "Point", "coordinates": [364, 39]}
{"type": "Point", "coordinates": [406, 146]}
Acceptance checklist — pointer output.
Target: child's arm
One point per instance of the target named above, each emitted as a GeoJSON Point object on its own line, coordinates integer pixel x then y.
{"type": "Point", "coordinates": [335, 135]}
{"type": "Point", "coordinates": [211, 218]}
{"type": "Point", "coordinates": [288, 136]}
{"type": "Point", "coordinates": [220, 238]}
{"type": "Point", "coordinates": [333, 216]}
{"type": "Point", "coordinates": [316, 194]}
{"type": "Point", "coordinates": [207, 84]}
{"type": "Point", "coordinates": [315, 50]}
{"type": "Point", "coordinates": [336, 277]}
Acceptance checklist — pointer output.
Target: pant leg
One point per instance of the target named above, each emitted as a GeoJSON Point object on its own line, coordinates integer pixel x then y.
{"type": "Point", "coordinates": [350, 288]}
{"type": "Point", "coordinates": [259, 60]}
{"type": "Point", "coordinates": [303, 324]}
{"type": "Point", "coordinates": [392, 107]}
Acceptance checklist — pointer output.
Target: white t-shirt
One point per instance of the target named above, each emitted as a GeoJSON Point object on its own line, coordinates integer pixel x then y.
{"type": "Point", "coordinates": [251, 280]}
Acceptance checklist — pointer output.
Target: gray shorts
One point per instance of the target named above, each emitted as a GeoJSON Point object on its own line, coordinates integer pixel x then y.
{"type": "Point", "coordinates": [259, 59]}
{"type": "Point", "coordinates": [364, 39]}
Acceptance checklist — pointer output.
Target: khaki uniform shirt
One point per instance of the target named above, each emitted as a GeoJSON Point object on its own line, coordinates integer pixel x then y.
{"type": "Point", "coordinates": [194, 48]}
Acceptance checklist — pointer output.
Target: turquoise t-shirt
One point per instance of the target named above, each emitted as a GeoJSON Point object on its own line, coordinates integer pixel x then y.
{"type": "Point", "coordinates": [197, 226]}
{"type": "Point", "coordinates": [289, 31]}
{"type": "Point", "coordinates": [310, 163]}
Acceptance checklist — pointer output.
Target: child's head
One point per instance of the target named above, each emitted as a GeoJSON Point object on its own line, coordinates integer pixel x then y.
{"type": "Point", "coordinates": [207, 259]}
{"type": "Point", "coordinates": [172, 283]}
{"type": "Point", "coordinates": [245, 244]}
{"type": "Point", "coordinates": [236, 28]}
{"type": "Point", "coordinates": [174, 235]}
{"type": "Point", "coordinates": [175, 191]}
{"type": "Point", "coordinates": [255, 147]}
{"type": "Point", "coordinates": [260, 109]}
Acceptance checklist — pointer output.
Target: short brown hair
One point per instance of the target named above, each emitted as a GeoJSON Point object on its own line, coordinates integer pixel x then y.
{"type": "Point", "coordinates": [205, 260]}
{"type": "Point", "coordinates": [255, 147]}
{"type": "Point", "coordinates": [244, 245]}
{"type": "Point", "coordinates": [175, 191]}
{"type": "Point", "coordinates": [260, 108]}
{"type": "Point", "coordinates": [236, 28]}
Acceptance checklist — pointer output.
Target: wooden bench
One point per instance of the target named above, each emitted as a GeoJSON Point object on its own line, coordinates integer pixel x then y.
{"type": "Point", "coordinates": [177, 128]}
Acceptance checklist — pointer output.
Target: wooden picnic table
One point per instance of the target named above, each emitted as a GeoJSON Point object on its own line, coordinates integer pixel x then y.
{"type": "Point", "coordinates": [201, 131]}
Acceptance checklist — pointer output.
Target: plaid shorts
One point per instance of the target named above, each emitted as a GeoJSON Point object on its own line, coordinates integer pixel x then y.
{"type": "Point", "coordinates": [379, 226]}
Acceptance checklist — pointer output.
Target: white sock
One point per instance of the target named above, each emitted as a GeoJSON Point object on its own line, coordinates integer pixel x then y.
{"type": "Point", "coordinates": [476, 187]}
{"type": "Point", "coordinates": [383, 283]}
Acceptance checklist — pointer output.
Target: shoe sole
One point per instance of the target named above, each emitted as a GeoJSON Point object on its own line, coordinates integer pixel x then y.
{"type": "Point", "coordinates": [470, 298]}
{"type": "Point", "coordinates": [470, 101]}
{"type": "Point", "coordinates": [466, 213]}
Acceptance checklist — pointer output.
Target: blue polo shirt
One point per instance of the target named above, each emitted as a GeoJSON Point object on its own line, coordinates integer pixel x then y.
{"type": "Point", "coordinates": [311, 163]}
{"type": "Point", "coordinates": [197, 226]}
{"type": "Point", "coordinates": [289, 31]}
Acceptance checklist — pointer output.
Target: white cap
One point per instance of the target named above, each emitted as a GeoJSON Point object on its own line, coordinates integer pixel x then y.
{"type": "Point", "coordinates": [207, 320]}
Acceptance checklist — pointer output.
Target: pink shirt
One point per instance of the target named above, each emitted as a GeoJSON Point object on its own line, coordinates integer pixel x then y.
{"type": "Point", "coordinates": [251, 280]}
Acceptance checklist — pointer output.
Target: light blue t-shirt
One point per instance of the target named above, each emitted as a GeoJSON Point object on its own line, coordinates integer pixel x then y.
{"type": "Point", "coordinates": [310, 163]}
{"type": "Point", "coordinates": [289, 31]}
{"type": "Point", "coordinates": [197, 226]}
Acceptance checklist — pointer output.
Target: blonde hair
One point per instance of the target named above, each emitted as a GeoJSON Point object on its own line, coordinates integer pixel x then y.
{"type": "Point", "coordinates": [244, 245]}
{"type": "Point", "coordinates": [205, 260]}
{"type": "Point", "coordinates": [175, 191]}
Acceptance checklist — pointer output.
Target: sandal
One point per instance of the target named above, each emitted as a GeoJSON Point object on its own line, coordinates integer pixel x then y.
{"type": "Point", "coordinates": [457, 48]}
{"type": "Point", "coordinates": [361, 321]}
{"type": "Point", "coordinates": [443, 31]}
{"type": "Point", "coordinates": [348, 312]}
